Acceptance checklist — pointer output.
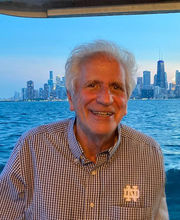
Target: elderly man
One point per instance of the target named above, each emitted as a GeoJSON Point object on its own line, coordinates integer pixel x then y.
{"type": "Point", "coordinates": [90, 166]}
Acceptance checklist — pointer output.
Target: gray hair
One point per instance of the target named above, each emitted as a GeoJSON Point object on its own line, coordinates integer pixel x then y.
{"type": "Point", "coordinates": [83, 52]}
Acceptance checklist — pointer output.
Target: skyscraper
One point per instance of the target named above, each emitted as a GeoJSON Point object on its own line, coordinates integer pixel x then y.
{"type": "Point", "coordinates": [58, 80]}
{"type": "Point", "coordinates": [139, 81]}
{"type": "Point", "coordinates": [24, 94]}
{"type": "Point", "coordinates": [146, 78]}
{"type": "Point", "coordinates": [63, 80]}
{"type": "Point", "coordinates": [46, 91]}
{"type": "Point", "coordinates": [51, 75]}
{"type": "Point", "coordinates": [177, 78]}
{"type": "Point", "coordinates": [41, 93]}
{"type": "Point", "coordinates": [155, 80]}
{"type": "Point", "coordinates": [161, 78]}
{"type": "Point", "coordinates": [166, 82]}
{"type": "Point", "coordinates": [30, 90]}
{"type": "Point", "coordinates": [50, 81]}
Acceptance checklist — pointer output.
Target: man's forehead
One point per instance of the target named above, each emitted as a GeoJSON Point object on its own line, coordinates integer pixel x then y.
{"type": "Point", "coordinates": [100, 56]}
{"type": "Point", "coordinates": [99, 75]}
{"type": "Point", "coordinates": [102, 61]}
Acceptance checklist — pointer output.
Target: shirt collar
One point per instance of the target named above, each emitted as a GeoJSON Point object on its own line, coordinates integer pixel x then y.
{"type": "Point", "coordinates": [77, 150]}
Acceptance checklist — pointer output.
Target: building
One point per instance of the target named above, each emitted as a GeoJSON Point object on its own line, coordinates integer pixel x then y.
{"type": "Point", "coordinates": [172, 86]}
{"type": "Point", "coordinates": [155, 80]}
{"type": "Point", "coordinates": [58, 80]}
{"type": "Point", "coordinates": [177, 77]}
{"type": "Point", "coordinates": [40, 96]}
{"type": "Point", "coordinates": [146, 78]}
{"type": "Point", "coordinates": [139, 87]}
{"type": "Point", "coordinates": [50, 81]}
{"type": "Point", "coordinates": [24, 94]}
{"type": "Point", "coordinates": [36, 94]}
{"type": "Point", "coordinates": [166, 82]}
{"type": "Point", "coordinates": [17, 96]}
{"type": "Point", "coordinates": [161, 76]}
{"type": "Point", "coordinates": [177, 91]}
{"type": "Point", "coordinates": [63, 80]}
{"type": "Point", "coordinates": [147, 93]}
{"type": "Point", "coordinates": [140, 81]}
{"type": "Point", "coordinates": [46, 91]}
{"type": "Point", "coordinates": [30, 90]}
{"type": "Point", "coordinates": [51, 75]}
{"type": "Point", "coordinates": [61, 92]}
{"type": "Point", "coordinates": [136, 93]}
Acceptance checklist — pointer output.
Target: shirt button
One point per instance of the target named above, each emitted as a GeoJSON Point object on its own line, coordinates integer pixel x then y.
{"type": "Point", "coordinates": [76, 160]}
{"type": "Point", "coordinates": [94, 172]}
{"type": "Point", "coordinates": [92, 205]}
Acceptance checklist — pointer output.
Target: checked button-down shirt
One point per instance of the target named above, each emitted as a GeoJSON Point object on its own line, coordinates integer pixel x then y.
{"type": "Point", "coordinates": [48, 178]}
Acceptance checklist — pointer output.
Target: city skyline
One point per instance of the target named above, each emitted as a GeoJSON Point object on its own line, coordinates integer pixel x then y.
{"type": "Point", "coordinates": [146, 87]}
{"type": "Point", "coordinates": [52, 89]}
{"type": "Point", "coordinates": [32, 46]}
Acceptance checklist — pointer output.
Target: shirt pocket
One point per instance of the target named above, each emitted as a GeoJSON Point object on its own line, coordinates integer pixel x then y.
{"type": "Point", "coordinates": [129, 213]}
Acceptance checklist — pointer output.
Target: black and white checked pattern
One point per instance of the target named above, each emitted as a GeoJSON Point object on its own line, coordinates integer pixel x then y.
{"type": "Point", "coordinates": [48, 178]}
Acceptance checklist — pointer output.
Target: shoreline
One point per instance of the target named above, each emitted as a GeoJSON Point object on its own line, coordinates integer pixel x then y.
{"type": "Point", "coordinates": [65, 100]}
{"type": "Point", "coordinates": [35, 101]}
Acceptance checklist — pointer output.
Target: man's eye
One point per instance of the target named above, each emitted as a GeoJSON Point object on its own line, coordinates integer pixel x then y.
{"type": "Point", "coordinates": [118, 87]}
{"type": "Point", "coordinates": [92, 85]}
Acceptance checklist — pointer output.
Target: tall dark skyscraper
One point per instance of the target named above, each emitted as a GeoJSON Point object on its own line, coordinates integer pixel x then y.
{"type": "Point", "coordinates": [24, 93]}
{"type": "Point", "coordinates": [30, 90]}
{"type": "Point", "coordinates": [46, 91]}
{"type": "Point", "coordinates": [50, 81]}
{"type": "Point", "coordinates": [51, 75]}
{"type": "Point", "coordinates": [161, 76]}
{"type": "Point", "coordinates": [177, 78]}
{"type": "Point", "coordinates": [146, 78]}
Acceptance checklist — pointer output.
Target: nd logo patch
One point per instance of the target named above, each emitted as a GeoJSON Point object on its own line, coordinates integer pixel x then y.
{"type": "Point", "coordinates": [131, 193]}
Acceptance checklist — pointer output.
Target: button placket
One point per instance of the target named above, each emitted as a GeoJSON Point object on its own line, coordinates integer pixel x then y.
{"type": "Point", "coordinates": [92, 195]}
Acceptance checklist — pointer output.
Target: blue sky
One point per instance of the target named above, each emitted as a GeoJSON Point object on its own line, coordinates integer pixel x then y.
{"type": "Point", "coordinates": [30, 47]}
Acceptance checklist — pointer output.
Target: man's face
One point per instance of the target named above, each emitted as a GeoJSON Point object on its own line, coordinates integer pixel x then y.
{"type": "Point", "coordinates": [100, 99]}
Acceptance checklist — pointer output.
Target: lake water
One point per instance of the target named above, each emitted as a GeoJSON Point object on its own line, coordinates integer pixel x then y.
{"type": "Point", "coordinates": [157, 118]}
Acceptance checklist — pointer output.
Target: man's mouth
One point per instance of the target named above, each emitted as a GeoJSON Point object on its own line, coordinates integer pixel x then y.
{"type": "Point", "coordinates": [102, 113]}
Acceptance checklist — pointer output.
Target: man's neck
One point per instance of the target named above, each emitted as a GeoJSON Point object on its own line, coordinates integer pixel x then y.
{"type": "Point", "coordinates": [93, 144]}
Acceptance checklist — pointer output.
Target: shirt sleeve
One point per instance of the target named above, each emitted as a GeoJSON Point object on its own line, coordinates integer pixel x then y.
{"type": "Point", "coordinates": [162, 212]}
{"type": "Point", "coordinates": [12, 189]}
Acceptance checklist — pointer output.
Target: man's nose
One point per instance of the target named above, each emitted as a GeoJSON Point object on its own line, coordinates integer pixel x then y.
{"type": "Point", "coordinates": [105, 97]}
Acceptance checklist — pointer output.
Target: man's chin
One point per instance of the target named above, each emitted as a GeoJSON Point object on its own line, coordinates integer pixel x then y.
{"type": "Point", "coordinates": [103, 131]}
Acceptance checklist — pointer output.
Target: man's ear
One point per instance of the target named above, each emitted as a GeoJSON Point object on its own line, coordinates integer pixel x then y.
{"type": "Point", "coordinates": [70, 101]}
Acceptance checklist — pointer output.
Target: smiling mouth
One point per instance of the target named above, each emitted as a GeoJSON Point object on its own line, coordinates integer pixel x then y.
{"type": "Point", "coordinates": [103, 114]}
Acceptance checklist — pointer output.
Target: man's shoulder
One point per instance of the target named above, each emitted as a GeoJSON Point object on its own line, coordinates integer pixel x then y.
{"type": "Point", "coordinates": [137, 136]}
{"type": "Point", "coordinates": [140, 143]}
{"type": "Point", "coordinates": [58, 127]}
